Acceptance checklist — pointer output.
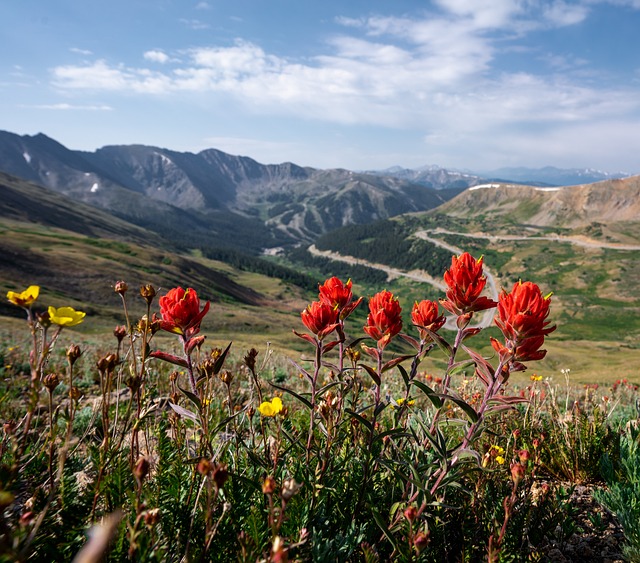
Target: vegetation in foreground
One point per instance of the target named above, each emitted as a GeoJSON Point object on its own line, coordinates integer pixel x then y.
{"type": "Point", "coordinates": [188, 453]}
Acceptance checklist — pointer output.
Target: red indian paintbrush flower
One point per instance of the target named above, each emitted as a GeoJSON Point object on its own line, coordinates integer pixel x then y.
{"type": "Point", "coordinates": [465, 281]}
{"type": "Point", "coordinates": [320, 318]}
{"type": "Point", "coordinates": [338, 295]}
{"type": "Point", "coordinates": [522, 318]}
{"type": "Point", "coordinates": [180, 310]}
{"type": "Point", "coordinates": [425, 315]}
{"type": "Point", "coordinates": [384, 320]}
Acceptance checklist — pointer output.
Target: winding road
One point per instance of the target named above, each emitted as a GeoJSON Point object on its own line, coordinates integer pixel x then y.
{"type": "Point", "coordinates": [485, 318]}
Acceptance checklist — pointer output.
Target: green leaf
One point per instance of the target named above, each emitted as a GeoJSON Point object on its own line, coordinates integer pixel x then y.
{"type": "Point", "coordinates": [192, 397]}
{"type": "Point", "coordinates": [385, 530]}
{"type": "Point", "coordinates": [217, 366]}
{"type": "Point", "coordinates": [392, 363]}
{"type": "Point", "coordinates": [466, 407]}
{"type": "Point", "coordinates": [430, 393]}
{"type": "Point", "coordinates": [373, 373]}
{"type": "Point", "coordinates": [360, 418]}
{"type": "Point", "coordinates": [441, 342]}
{"type": "Point", "coordinates": [185, 413]}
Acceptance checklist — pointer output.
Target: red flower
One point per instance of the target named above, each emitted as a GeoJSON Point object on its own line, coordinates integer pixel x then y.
{"type": "Point", "coordinates": [384, 320]}
{"type": "Point", "coordinates": [338, 295]}
{"type": "Point", "coordinates": [522, 318]}
{"type": "Point", "coordinates": [465, 281]}
{"type": "Point", "coordinates": [425, 315]}
{"type": "Point", "coordinates": [320, 318]}
{"type": "Point", "coordinates": [181, 313]}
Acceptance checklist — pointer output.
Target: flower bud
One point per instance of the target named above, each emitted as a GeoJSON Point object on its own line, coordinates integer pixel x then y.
{"type": "Point", "coordinates": [44, 319]}
{"type": "Point", "coordinates": [75, 393]}
{"type": "Point", "coordinates": [51, 381]}
{"type": "Point", "coordinates": [204, 467]}
{"type": "Point", "coordinates": [250, 359]}
{"type": "Point", "coordinates": [289, 488]}
{"type": "Point", "coordinates": [121, 287]}
{"type": "Point", "coordinates": [152, 517]}
{"type": "Point", "coordinates": [517, 472]}
{"type": "Point", "coordinates": [120, 332]}
{"type": "Point", "coordinates": [420, 541]}
{"type": "Point", "coordinates": [107, 363]}
{"type": "Point", "coordinates": [411, 513]}
{"type": "Point", "coordinates": [269, 485]}
{"type": "Point", "coordinates": [524, 455]}
{"type": "Point", "coordinates": [220, 475]}
{"type": "Point", "coordinates": [226, 377]}
{"type": "Point", "coordinates": [73, 353]}
{"type": "Point", "coordinates": [141, 469]}
{"type": "Point", "coordinates": [147, 292]}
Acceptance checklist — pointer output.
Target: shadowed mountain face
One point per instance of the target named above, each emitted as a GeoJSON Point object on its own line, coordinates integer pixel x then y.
{"type": "Point", "coordinates": [152, 186]}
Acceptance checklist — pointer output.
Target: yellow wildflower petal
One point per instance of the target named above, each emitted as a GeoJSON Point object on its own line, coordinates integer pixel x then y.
{"type": "Point", "coordinates": [276, 404]}
{"type": "Point", "coordinates": [65, 316]}
{"type": "Point", "coordinates": [499, 459]}
{"type": "Point", "coordinates": [25, 298]}
{"type": "Point", "coordinates": [266, 409]}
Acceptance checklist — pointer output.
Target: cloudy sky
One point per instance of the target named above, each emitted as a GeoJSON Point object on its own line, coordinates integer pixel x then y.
{"type": "Point", "coordinates": [359, 84]}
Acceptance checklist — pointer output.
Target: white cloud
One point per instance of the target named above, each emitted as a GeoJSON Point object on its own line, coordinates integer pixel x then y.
{"type": "Point", "coordinates": [78, 51]}
{"type": "Point", "coordinates": [203, 6]}
{"type": "Point", "coordinates": [156, 56]}
{"type": "Point", "coordinates": [434, 74]}
{"type": "Point", "coordinates": [67, 107]}
{"type": "Point", "coordinates": [195, 24]}
{"type": "Point", "coordinates": [561, 13]}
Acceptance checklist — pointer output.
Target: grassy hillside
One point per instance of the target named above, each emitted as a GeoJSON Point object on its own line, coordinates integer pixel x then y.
{"type": "Point", "coordinates": [590, 266]}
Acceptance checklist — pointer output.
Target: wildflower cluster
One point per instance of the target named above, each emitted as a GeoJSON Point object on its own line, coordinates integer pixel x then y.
{"type": "Point", "coordinates": [193, 454]}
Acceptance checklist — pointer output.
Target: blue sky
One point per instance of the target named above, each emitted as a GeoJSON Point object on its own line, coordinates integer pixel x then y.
{"type": "Point", "coordinates": [364, 84]}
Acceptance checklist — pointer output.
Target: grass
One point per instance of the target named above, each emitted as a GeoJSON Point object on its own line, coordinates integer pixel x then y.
{"type": "Point", "coordinates": [171, 472]}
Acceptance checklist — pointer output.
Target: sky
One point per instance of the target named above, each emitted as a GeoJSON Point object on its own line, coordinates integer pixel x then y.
{"type": "Point", "coordinates": [358, 84]}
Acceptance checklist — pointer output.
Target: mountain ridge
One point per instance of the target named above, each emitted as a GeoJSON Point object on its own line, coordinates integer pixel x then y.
{"type": "Point", "coordinates": [293, 203]}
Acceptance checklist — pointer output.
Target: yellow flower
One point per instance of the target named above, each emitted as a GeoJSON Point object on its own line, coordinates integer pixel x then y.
{"type": "Point", "coordinates": [535, 377]}
{"type": "Point", "coordinates": [26, 298]}
{"type": "Point", "coordinates": [65, 316]}
{"type": "Point", "coordinates": [496, 450]}
{"type": "Point", "coordinates": [499, 459]}
{"type": "Point", "coordinates": [410, 402]}
{"type": "Point", "coordinates": [271, 408]}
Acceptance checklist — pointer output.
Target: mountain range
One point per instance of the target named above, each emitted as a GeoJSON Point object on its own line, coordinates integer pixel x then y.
{"type": "Point", "coordinates": [233, 201]}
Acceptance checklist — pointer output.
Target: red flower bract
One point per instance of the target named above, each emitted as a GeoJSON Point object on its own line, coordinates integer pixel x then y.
{"type": "Point", "coordinates": [522, 318]}
{"type": "Point", "coordinates": [425, 315]}
{"type": "Point", "coordinates": [338, 295]}
{"type": "Point", "coordinates": [335, 294]}
{"type": "Point", "coordinates": [180, 310]}
{"type": "Point", "coordinates": [384, 320]}
{"type": "Point", "coordinates": [465, 281]}
{"type": "Point", "coordinates": [320, 318]}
